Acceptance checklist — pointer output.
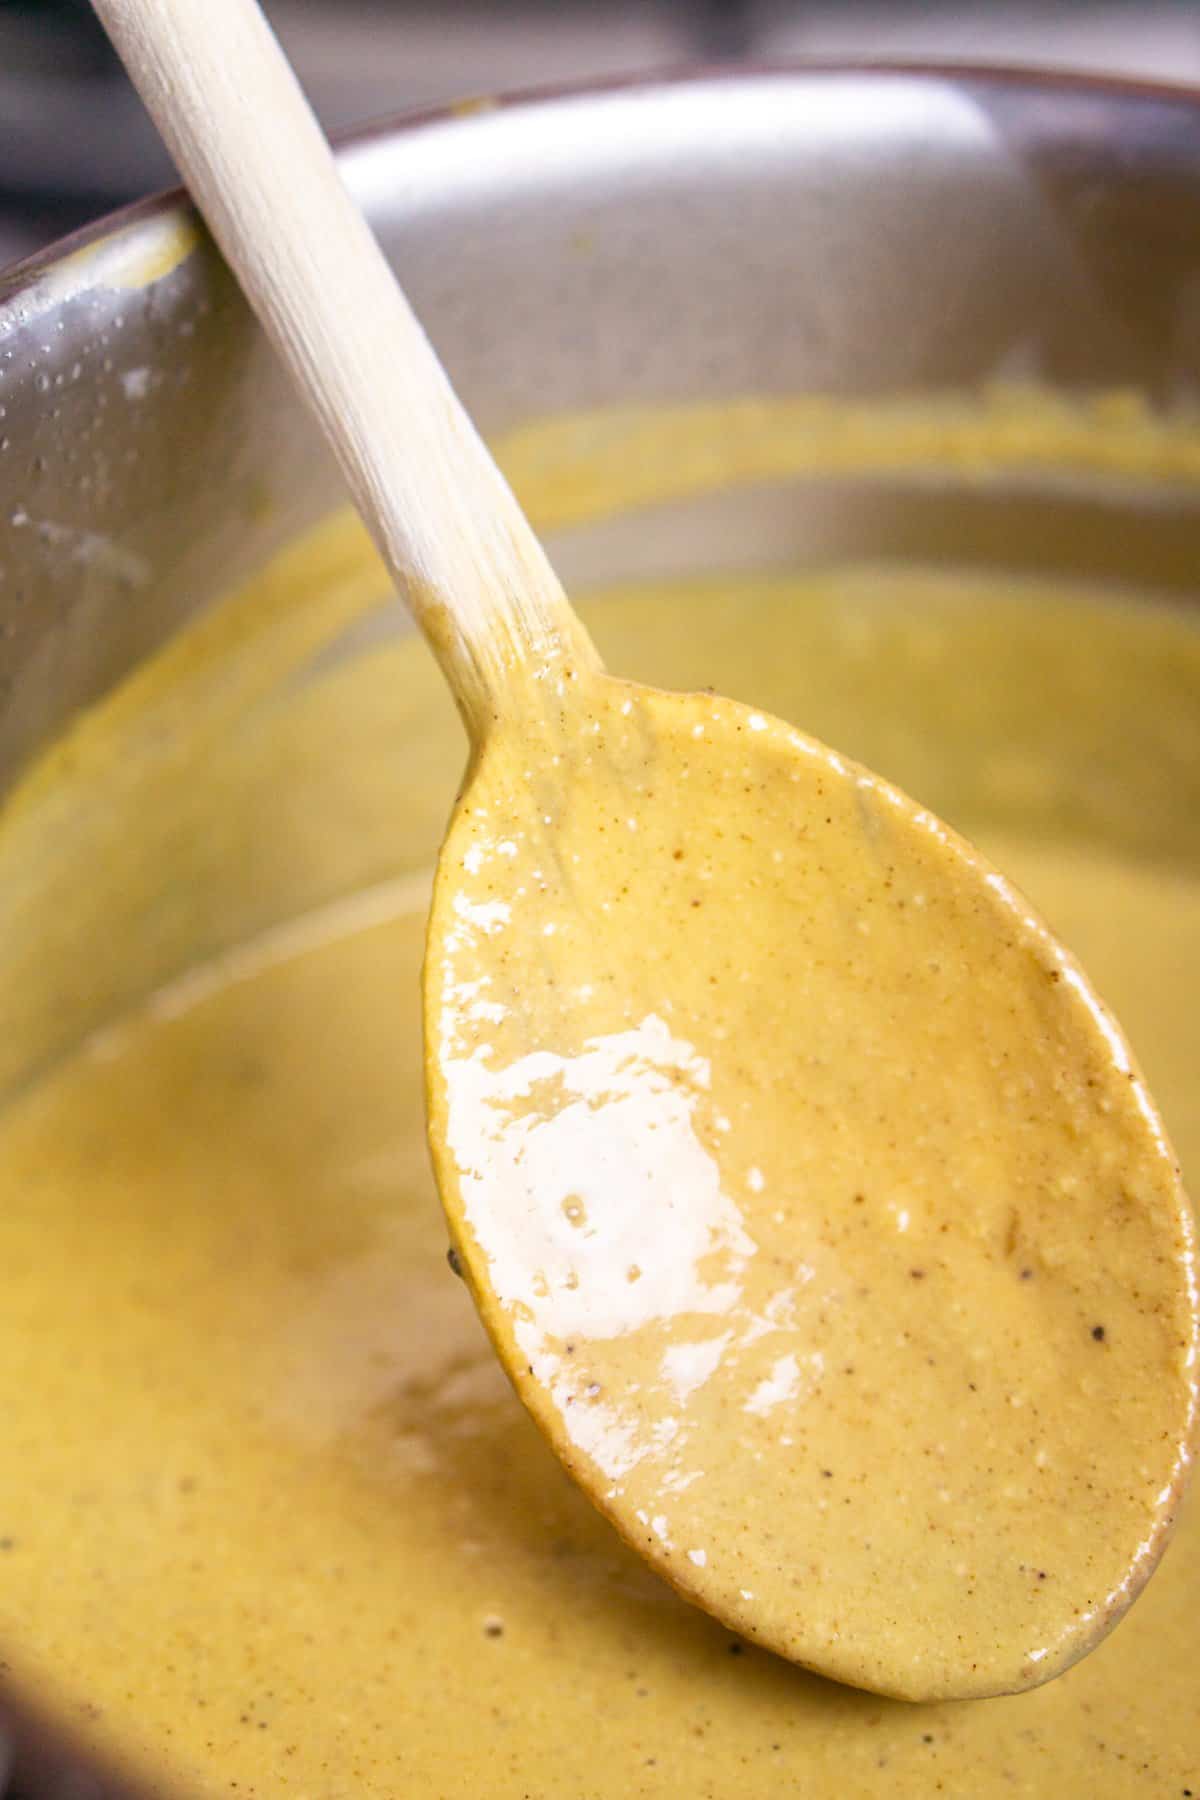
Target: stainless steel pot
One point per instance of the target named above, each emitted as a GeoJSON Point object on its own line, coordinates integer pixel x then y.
{"type": "Point", "coordinates": [865, 233]}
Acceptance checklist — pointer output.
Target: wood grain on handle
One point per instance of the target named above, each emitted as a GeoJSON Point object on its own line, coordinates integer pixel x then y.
{"type": "Point", "coordinates": [224, 97]}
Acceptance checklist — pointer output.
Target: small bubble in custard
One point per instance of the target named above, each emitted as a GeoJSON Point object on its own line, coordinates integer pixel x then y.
{"type": "Point", "coordinates": [574, 1211]}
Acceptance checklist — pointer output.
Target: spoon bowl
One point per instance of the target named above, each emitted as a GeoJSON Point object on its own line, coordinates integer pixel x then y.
{"type": "Point", "coordinates": [809, 1195]}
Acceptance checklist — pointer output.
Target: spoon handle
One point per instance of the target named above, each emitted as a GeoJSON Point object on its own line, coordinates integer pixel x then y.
{"type": "Point", "coordinates": [224, 97]}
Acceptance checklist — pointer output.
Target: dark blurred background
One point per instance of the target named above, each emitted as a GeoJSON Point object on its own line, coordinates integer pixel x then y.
{"type": "Point", "coordinates": [74, 141]}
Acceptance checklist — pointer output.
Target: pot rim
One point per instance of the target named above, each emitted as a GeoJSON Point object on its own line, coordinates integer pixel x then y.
{"type": "Point", "coordinates": [20, 280]}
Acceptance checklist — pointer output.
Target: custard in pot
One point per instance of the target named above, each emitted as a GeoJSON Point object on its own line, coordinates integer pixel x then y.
{"type": "Point", "coordinates": [271, 1520]}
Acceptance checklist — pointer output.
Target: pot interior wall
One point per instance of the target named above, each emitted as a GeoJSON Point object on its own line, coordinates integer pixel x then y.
{"type": "Point", "coordinates": [839, 233]}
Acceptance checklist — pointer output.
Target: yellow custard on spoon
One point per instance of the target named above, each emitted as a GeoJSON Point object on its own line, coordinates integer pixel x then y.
{"type": "Point", "coordinates": [810, 1194]}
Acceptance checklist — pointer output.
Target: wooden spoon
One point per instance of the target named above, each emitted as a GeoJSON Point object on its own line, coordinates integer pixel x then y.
{"type": "Point", "coordinates": [810, 1196]}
